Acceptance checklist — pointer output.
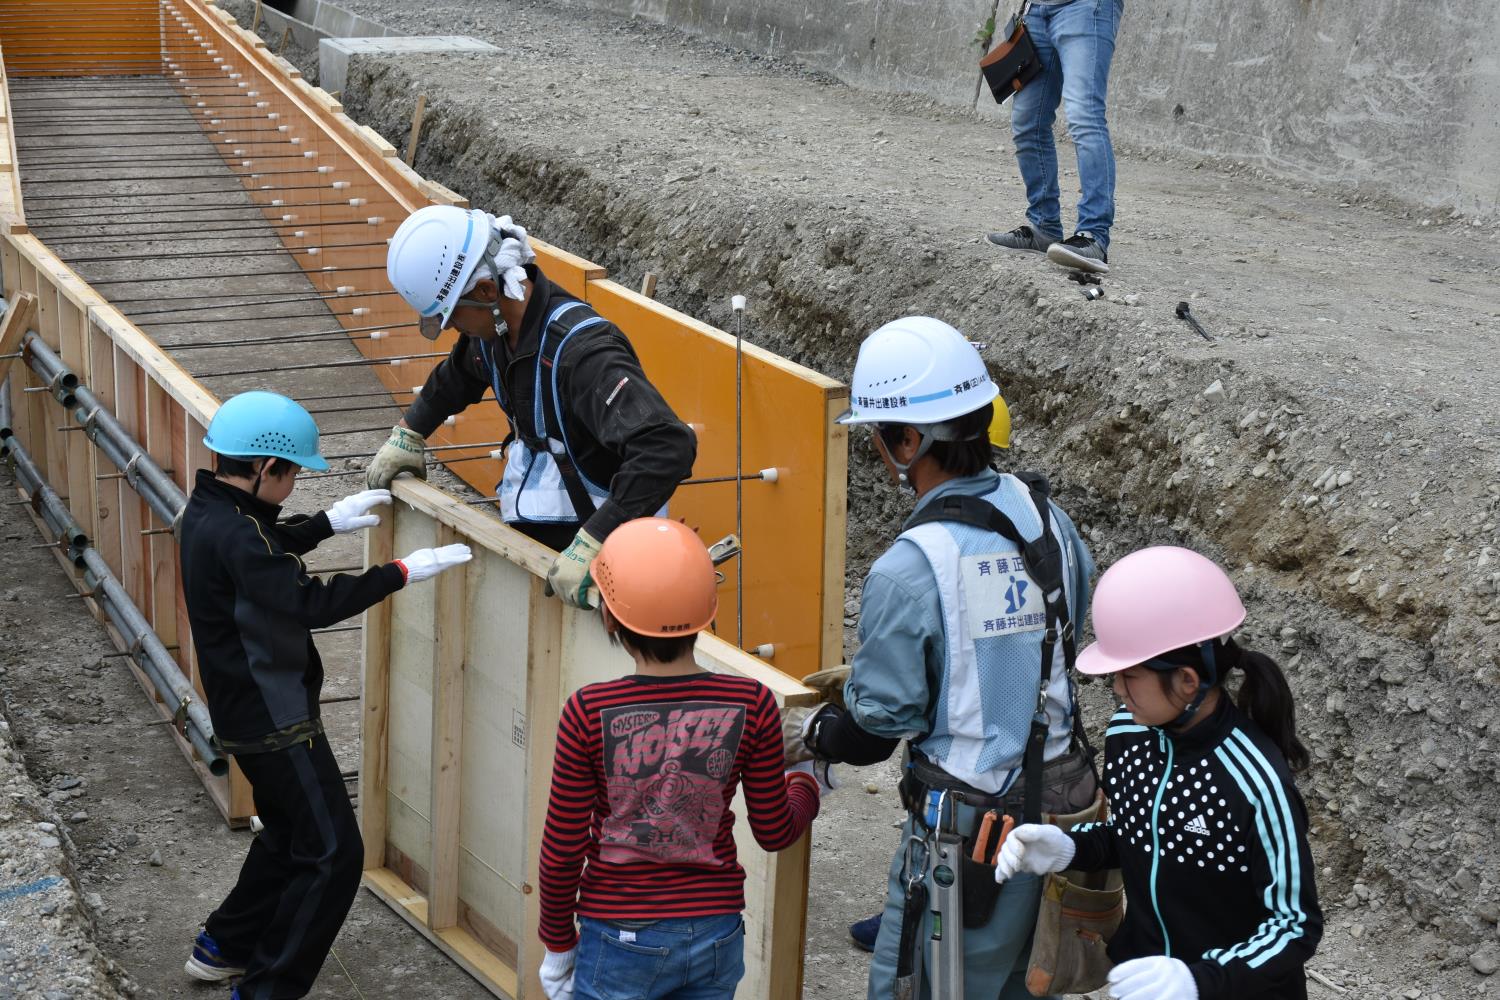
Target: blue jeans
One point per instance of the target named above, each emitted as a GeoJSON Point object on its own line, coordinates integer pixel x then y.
{"type": "Point", "coordinates": [695, 958]}
{"type": "Point", "coordinates": [995, 955]}
{"type": "Point", "coordinates": [1076, 42]}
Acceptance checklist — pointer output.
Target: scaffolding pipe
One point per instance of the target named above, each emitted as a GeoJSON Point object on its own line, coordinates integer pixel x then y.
{"type": "Point", "coordinates": [148, 652]}
{"type": "Point", "coordinates": [159, 490]}
{"type": "Point", "coordinates": [44, 499]}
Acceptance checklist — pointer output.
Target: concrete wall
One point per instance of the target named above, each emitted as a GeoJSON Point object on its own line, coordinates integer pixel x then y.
{"type": "Point", "coordinates": [1397, 97]}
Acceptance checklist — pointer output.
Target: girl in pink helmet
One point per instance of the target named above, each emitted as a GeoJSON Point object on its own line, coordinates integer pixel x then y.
{"type": "Point", "coordinates": [1206, 824]}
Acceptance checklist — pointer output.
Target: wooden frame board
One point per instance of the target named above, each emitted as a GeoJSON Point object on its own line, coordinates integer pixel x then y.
{"type": "Point", "coordinates": [484, 664]}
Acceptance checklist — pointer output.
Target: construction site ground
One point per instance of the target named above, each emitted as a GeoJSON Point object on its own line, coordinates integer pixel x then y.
{"type": "Point", "coordinates": [1336, 446]}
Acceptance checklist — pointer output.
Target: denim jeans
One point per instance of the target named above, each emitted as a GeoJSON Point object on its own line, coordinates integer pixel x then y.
{"type": "Point", "coordinates": [1076, 42]}
{"type": "Point", "coordinates": [695, 958]}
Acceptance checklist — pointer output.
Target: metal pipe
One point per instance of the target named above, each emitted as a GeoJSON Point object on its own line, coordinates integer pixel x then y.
{"type": "Point", "coordinates": [44, 499]}
{"type": "Point", "coordinates": [151, 656]}
{"type": "Point", "coordinates": [157, 194]}
{"type": "Point", "coordinates": [316, 251]}
{"type": "Point", "coordinates": [248, 229]}
{"type": "Point", "coordinates": [323, 364]}
{"type": "Point", "coordinates": [190, 344]}
{"type": "Point", "coordinates": [321, 314]}
{"type": "Point", "coordinates": [159, 490]}
{"type": "Point", "coordinates": [190, 209]}
{"type": "Point", "coordinates": [239, 274]}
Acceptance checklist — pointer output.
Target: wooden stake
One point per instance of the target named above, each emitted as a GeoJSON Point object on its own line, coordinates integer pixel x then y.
{"type": "Point", "coordinates": [416, 129]}
{"type": "Point", "coordinates": [648, 285]}
{"type": "Point", "coordinates": [286, 36]}
{"type": "Point", "coordinates": [255, 21]}
{"type": "Point", "coordinates": [18, 319]}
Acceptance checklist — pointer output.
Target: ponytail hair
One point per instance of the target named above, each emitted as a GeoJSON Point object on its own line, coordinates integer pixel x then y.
{"type": "Point", "coordinates": [1266, 697]}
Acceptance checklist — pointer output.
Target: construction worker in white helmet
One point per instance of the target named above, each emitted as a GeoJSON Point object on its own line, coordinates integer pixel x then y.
{"type": "Point", "coordinates": [966, 628]}
{"type": "Point", "coordinates": [593, 443]}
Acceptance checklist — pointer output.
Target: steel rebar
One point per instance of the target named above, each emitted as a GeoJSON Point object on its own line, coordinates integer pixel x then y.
{"type": "Point", "coordinates": [323, 364]}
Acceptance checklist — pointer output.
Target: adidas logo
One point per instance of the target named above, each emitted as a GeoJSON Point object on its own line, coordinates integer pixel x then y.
{"type": "Point", "coordinates": [1197, 827]}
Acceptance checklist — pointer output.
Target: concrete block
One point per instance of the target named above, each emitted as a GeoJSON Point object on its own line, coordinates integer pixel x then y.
{"type": "Point", "coordinates": [334, 53]}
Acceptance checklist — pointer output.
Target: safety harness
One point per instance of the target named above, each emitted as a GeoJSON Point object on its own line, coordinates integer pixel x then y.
{"type": "Point", "coordinates": [545, 435]}
{"type": "Point", "coordinates": [1043, 559]}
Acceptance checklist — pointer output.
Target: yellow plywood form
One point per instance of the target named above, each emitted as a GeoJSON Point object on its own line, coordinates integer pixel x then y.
{"type": "Point", "coordinates": [80, 37]}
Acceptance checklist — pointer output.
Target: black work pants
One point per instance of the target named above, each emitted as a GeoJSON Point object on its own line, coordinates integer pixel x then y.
{"type": "Point", "coordinates": [300, 877]}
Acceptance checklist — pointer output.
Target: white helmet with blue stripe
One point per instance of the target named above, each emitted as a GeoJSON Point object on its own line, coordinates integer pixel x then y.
{"type": "Point", "coordinates": [917, 370]}
{"type": "Point", "coordinates": [432, 258]}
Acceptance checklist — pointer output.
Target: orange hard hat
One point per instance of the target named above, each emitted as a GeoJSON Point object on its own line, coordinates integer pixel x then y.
{"type": "Point", "coordinates": [656, 578]}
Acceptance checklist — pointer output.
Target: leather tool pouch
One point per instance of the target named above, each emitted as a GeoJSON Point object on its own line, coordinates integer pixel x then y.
{"type": "Point", "coordinates": [1014, 62]}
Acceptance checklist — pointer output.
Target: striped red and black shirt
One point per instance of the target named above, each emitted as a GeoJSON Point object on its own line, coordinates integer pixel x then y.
{"type": "Point", "coordinates": [645, 773]}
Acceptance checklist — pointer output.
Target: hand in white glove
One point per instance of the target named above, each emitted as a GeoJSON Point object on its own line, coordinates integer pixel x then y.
{"type": "Point", "coordinates": [569, 576]}
{"type": "Point", "coordinates": [1037, 848]}
{"type": "Point", "coordinates": [402, 452]}
{"type": "Point", "coordinates": [353, 512]}
{"type": "Point", "coordinates": [557, 974]}
{"type": "Point", "coordinates": [820, 771]}
{"type": "Point", "coordinates": [424, 564]}
{"type": "Point", "coordinates": [1154, 978]}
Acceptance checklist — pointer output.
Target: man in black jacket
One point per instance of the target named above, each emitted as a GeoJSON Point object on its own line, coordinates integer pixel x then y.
{"type": "Point", "coordinates": [594, 444]}
{"type": "Point", "coordinates": [251, 605]}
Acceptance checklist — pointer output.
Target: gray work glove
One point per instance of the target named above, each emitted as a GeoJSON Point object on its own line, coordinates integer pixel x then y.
{"type": "Point", "coordinates": [830, 684]}
{"type": "Point", "coordinates": [402, 452]}
{"type": "Point", "coordinates": [797, 723]}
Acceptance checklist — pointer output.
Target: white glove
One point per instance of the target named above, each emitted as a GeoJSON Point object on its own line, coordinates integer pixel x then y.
{"type": "Point", "coordinates": [426, 563]}
{"type": "Point", "coordinates": [1037, 848]}
{"type": "Point", "coordinates": [557, 974]}
{"type": "Point", "coordinates": [821, 771]}
{"type": "Point", "coordinates": [353, 512]}
{"type": "Point", "coordinates": [1154, 978]}
{"type": "Point", "coordinates": [569, 576]}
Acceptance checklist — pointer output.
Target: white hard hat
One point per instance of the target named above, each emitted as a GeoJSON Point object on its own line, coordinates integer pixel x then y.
{"type": "Point", "coordinates": [917, 370]}
{"type": "Point", "coordinates": [433, 255]}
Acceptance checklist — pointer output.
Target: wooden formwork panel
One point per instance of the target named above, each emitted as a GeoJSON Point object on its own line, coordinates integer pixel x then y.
{"type": "Point", "coordinates": [462, 698]}
{"type": "Point", "coordinates": [80, 37]}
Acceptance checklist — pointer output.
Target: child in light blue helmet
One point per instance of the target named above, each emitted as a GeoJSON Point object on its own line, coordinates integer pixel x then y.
{"type": "Point", "coordinates": [252, 606]}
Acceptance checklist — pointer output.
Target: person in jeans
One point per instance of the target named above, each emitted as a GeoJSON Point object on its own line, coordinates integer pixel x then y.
{"type": "Point", "coordinates": [639, 839]}
{"type": "Point", "coordinates": [1076, 42]}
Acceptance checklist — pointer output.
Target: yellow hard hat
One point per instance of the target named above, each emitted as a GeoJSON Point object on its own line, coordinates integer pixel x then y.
{"type": "Point", "coordinates": [1000, 425]}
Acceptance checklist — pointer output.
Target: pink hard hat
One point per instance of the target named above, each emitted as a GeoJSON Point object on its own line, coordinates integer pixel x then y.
{"type": "Point", "coordinates": [1157, 600]}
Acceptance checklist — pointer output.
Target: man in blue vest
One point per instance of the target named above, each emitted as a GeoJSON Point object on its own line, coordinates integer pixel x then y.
{"type": "Point", "coordinates": [593, 443]}
{"type": "Point", "coordinates": [965, 632]}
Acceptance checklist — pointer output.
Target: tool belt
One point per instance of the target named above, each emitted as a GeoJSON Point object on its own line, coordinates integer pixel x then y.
{"type": "Point", "coordinates": [1069, 795]}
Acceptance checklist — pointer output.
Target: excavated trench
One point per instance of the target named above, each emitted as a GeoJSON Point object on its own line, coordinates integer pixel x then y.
{"type": "Point", "coordinates": [1112, 405]}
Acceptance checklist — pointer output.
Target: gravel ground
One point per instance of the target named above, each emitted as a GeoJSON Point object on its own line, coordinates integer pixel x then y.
{"type": "Point", "coordinates": [1336, 445]}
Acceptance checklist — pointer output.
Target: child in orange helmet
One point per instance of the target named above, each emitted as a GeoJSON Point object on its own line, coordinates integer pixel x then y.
{"type": "Point", "coordinates": [639, 845]}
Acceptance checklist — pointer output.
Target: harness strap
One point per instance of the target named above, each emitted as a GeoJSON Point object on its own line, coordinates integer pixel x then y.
{"type": "Point", "coordinates": [564, 323]}
{"type": "Point", "coordinates": [1044, 563]}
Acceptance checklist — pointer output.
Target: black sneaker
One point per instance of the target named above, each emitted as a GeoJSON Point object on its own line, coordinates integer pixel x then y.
{"type": "Point", "coordinates": [1080, 252]}
{"type": "Point", "coordinates": [1021, 238]}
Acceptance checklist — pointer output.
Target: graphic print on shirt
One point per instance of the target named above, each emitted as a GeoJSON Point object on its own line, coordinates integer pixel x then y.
{"type": "Point", "coordinates": [666, 765]}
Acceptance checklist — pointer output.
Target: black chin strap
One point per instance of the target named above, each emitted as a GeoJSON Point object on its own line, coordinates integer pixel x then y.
{"type": "Point", "coordinates": [255, 489]}
{"type": "Point", "coordinates": [1206, 681]}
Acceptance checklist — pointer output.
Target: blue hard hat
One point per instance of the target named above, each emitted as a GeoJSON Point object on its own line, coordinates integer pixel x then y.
{"type": "Point", "coordinates": [265, 424]}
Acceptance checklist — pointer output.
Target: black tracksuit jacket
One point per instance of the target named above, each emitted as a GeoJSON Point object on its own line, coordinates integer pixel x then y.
{"type": "Point", "coordinates": [251, 604]}
{"type": "Point", "coordinates": [1210, 834]}
{"type": "Point", "coordinates": [624, 436]}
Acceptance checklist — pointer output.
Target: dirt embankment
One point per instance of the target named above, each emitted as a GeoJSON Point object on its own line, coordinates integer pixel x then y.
{"type": "Point", "coordinates": [1336, 446]}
